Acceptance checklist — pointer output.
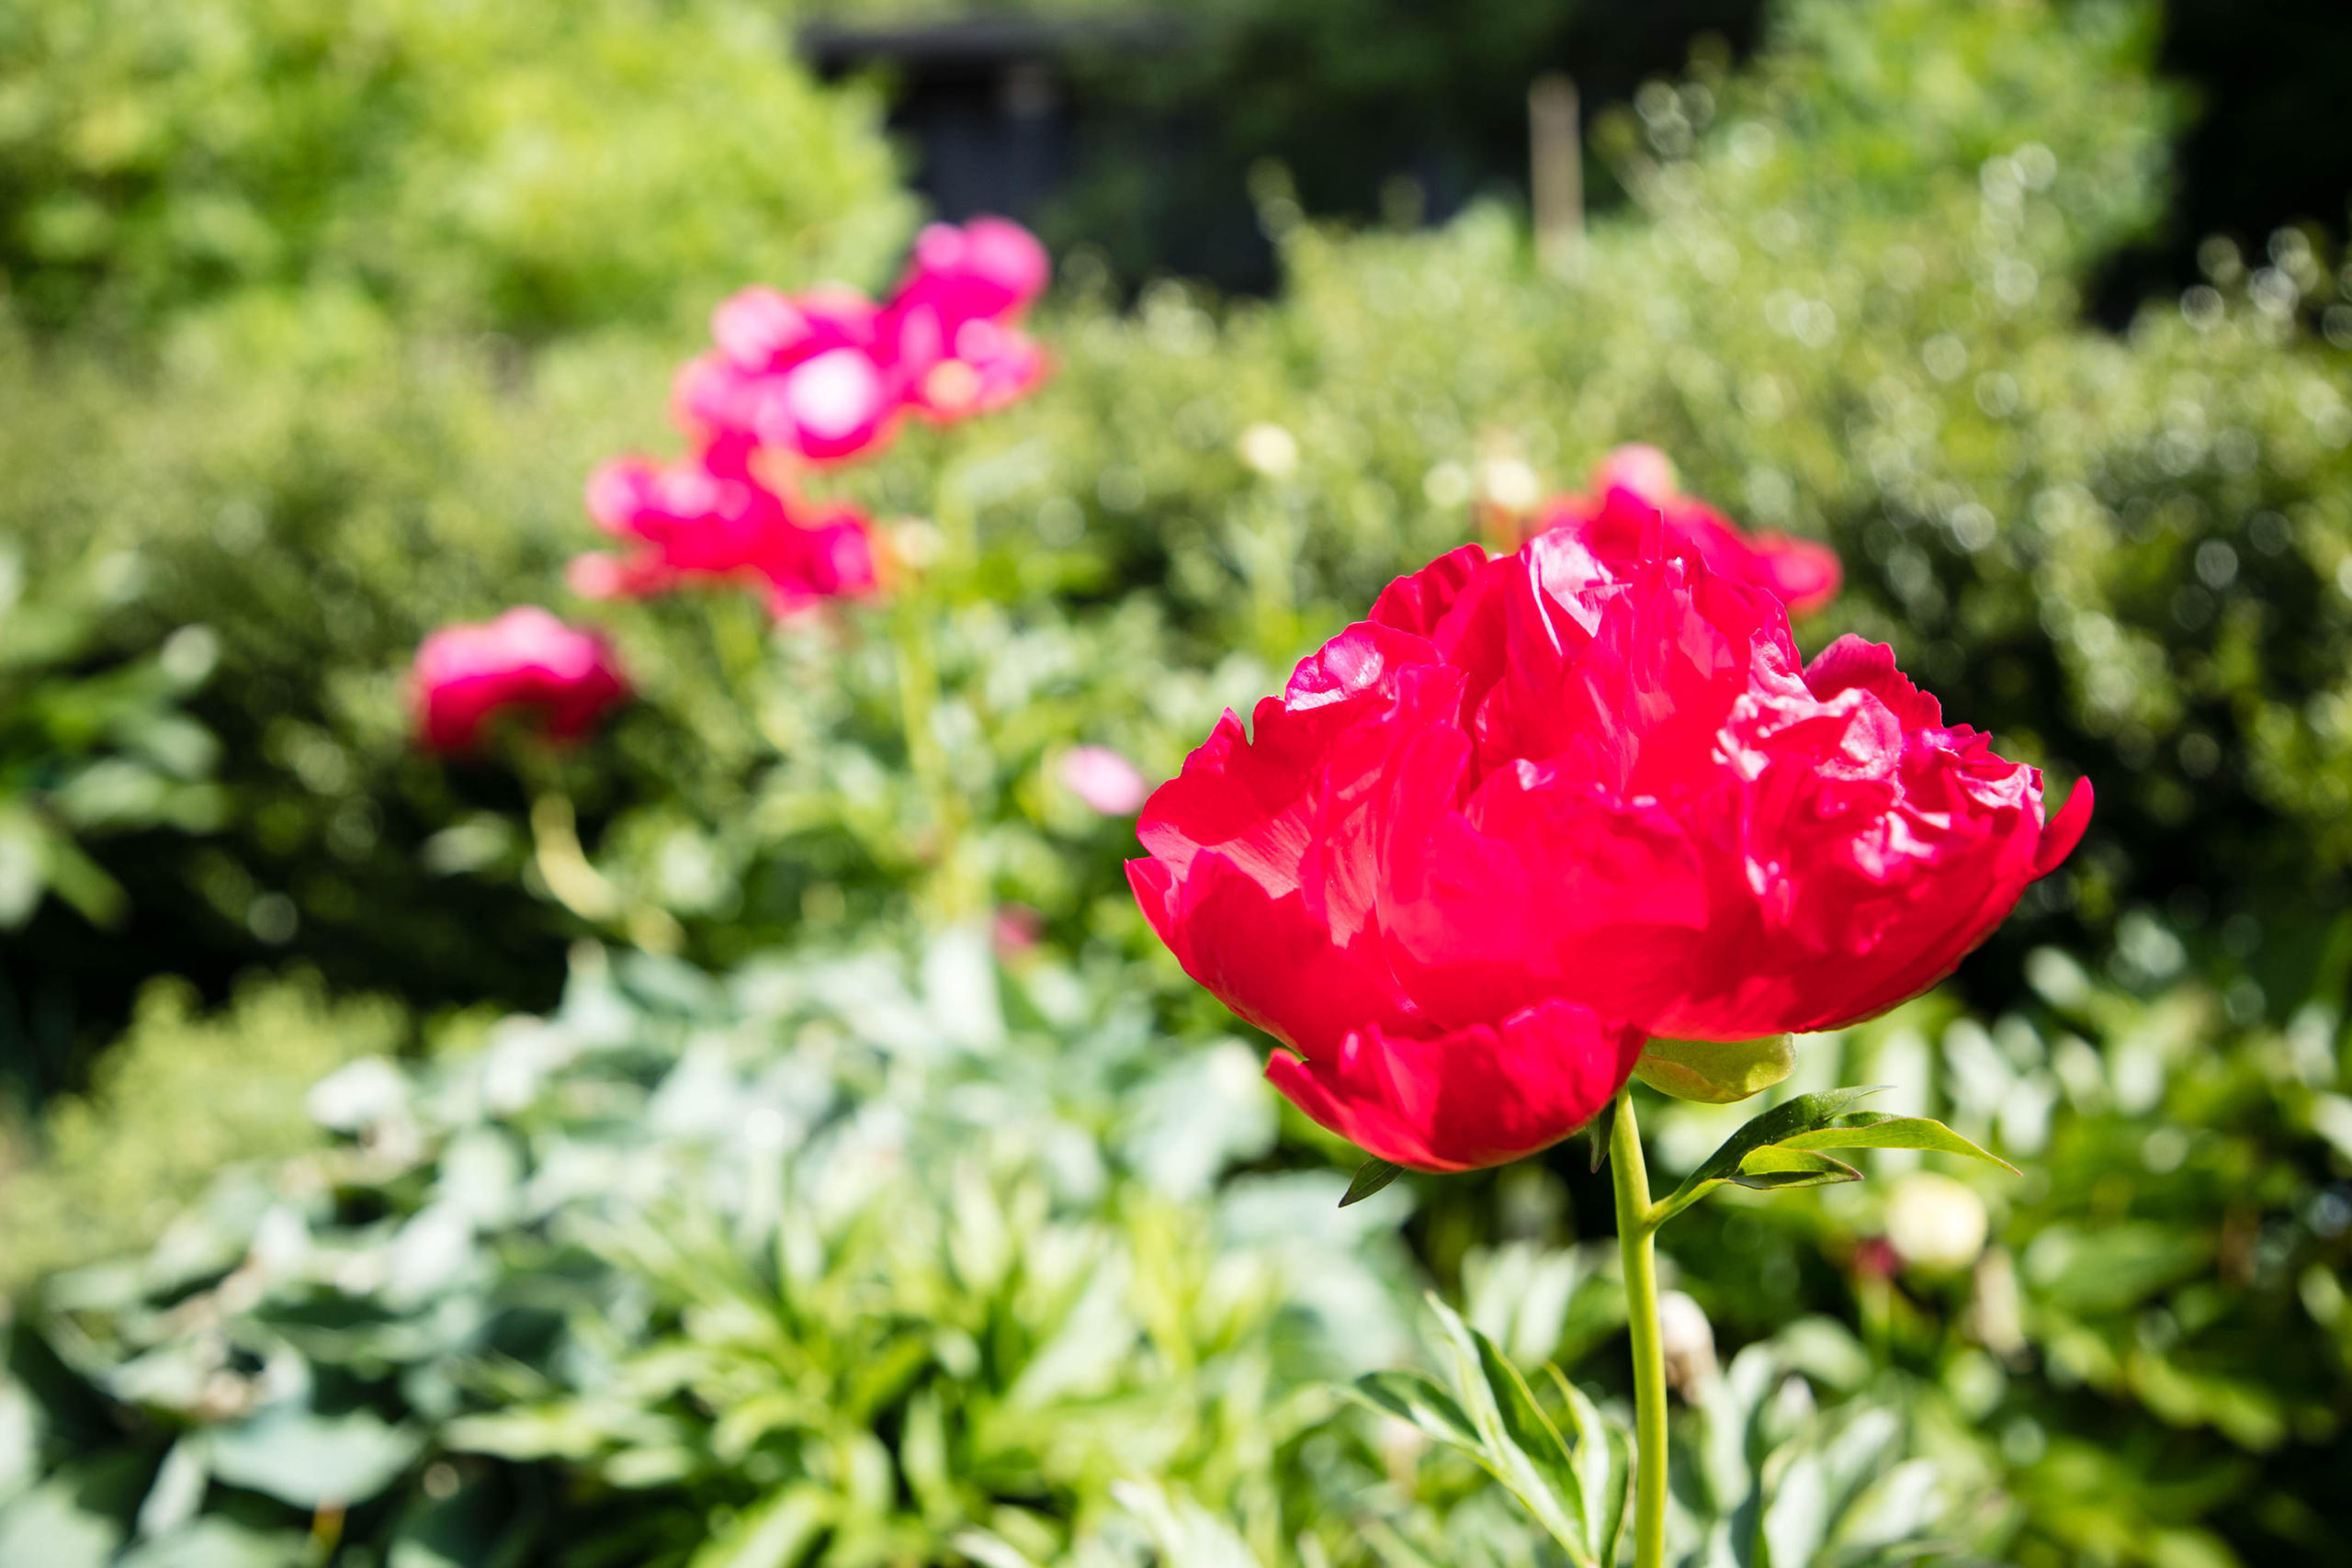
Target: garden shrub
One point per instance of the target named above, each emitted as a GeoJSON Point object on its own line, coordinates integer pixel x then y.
{"type": "Point", "coordinates": [181, 1095]}
{"type": "Point", "coordinates": [519, 168]}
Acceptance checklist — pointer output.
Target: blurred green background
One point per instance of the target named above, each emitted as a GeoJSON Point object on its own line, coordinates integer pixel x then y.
{"type": "Point", "coordinates": [362, 1203]}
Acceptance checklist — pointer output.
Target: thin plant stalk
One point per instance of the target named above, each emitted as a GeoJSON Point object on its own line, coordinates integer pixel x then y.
{"type": "Point", "coordinates": [1636, 1230]}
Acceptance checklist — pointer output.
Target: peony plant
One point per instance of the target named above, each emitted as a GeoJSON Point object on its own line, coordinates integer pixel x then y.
{"type": "Point", "coordinates": [1547, 821]}
{"type": "Point", "coordinates": [794, 385]}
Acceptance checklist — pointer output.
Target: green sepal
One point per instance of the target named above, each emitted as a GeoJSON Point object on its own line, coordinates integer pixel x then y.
{"type": "Point", "coordinates": [1716, 1072]}
{"type": "Point", "coordinates": [1370, 1177]}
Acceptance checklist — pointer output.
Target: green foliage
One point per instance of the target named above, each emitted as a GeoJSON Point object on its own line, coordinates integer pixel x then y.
{"type": "Point", "coordinates": [518, 167]}
{"type": "Point", "coordinates": [670, 1275]}
{"type": "Point", "coordinates": [178, 1098]}
{"type": "Point", "coordinates": [1572, 1473]}
{"type": "Point", "coordinates": [90, 751]}
{"type": "Point", "coordinates": [827, 1261]}
{"type": "Point", "coordinates": [1781, 1148]}
{"type": "Point", "coordinates": [2162, 1306]}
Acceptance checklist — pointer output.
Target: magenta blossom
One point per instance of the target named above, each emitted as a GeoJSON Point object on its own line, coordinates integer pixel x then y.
{"type": "Point", "coordinates": [712, 519]}
{"type": "Point", "coordinates": [525, 659]}
{"type": "Point", "coordinates": [1636, 483]}
{"type": "Point", "coordinates": [1536, 809]}
{"type": "Point", "coordinates": [951, 332]}
{"type": "Point", "coordinates": [803, 376]}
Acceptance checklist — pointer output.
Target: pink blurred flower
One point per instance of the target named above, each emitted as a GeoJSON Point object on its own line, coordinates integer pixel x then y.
{"type": "Point", "coordinates": [525, 659]}
{"type": "Point", "coordinates": [711, 518]}
{"type": "Point", "coordinates": [803, 375]}
{"type": "Point", "coordinates": [950, 332]}
{"type": "Point", "coordinates": [1636, 482]}
{"type": "Point", "coordinates": [1106, 782]}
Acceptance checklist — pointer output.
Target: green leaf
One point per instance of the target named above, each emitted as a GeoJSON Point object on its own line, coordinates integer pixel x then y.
{"type": "Point", "coordinates": [1806, 1114]}
{"type": "Point", "coordinates": [1873, 1130]}
{"type": "Point", "coordinates": [218, 1543]}
{"type": "Point", "coordinates": [773, 1533]}
{"type": "Point", "coordinates": [311, 1460]}
{"type": "Point", "coordinates": [48, 1527]}
{"type": "Point", "coordinates": [1777, 1165]}
{"type": "Point", "coordinates": [1781, 1148]}
{"type": "Point", "coordinates": [1370, 1177]}
{"type": "Point", "coordinates": [1518, 1446]}
{"type": "Point", "coordinates": [1604, 1464]}
{"type": "Point", "coordinates": [1715, 1072]}
{"type": "Point", "coordinates": [1413, 1398]}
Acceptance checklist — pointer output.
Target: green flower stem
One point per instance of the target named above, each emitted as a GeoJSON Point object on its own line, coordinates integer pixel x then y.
{"type": "Point", "coordinates": [1637, 1228]}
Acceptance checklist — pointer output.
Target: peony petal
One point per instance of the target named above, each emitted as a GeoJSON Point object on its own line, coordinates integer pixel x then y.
{"type": "Point", "coordinates": [1477, 1096]}
{"type": "Point", "coordinates": [1542, 887]}
{"type": "Point", "coordinates": [1855, 663]}
{"type": "Point", "coordinates": [1416, 604]}
{"type": "Point", "coordinates": [2066, 829]}
{"type": "Point", "coordinates": [1806, 573]}
{"type": "Point", "coordinates": [1265, 956]}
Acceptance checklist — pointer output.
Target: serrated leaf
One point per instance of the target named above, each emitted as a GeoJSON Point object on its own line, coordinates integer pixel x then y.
{"type": "Point", "coordinates": [1370, 1177]}
{"type": "Point", "coordinates": [1874, 1129]}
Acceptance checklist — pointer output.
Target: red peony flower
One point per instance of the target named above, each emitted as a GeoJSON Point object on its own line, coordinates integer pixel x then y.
{"type": "Point", "coordinates": [1636, 483]}
{"type": "Point", "coordinates": [525, 659]}
{"type": "Point", "coordinates": [712, 518]}
{"type": "Point", "coordinates": [804, 376]}
{"type": "Point", "coordinates": [950, 332]}
{"type": "Point", "coordinates": [1539, 807]}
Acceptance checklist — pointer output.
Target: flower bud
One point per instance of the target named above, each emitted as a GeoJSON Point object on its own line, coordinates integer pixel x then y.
{"type": "Point", "coordinates": [1689, 1343]}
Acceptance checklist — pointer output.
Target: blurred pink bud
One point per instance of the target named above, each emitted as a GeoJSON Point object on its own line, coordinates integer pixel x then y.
{"type": "Point", "coordinates": [597, 575]}
{"type": "Point", "coordinates": [1017, 929]}
{"type": "Point", "coordinates": [1642, 469]}
{"type": "Point", "coordinates": [991, 266]}
{"type": "Point", "coordinates": [525, 659]}
{"type": "Point", "coordinates": [1106, 782]}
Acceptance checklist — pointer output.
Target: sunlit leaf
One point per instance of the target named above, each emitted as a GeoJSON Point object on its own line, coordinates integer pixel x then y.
{"type": "Point", "coordinates": [1370, 1177]}
{"type": "Point", "coordinates": [1873, 1130]}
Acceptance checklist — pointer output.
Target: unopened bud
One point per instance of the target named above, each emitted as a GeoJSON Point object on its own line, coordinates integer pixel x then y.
{"type": "Point", "coordinates": [1689, 1343]}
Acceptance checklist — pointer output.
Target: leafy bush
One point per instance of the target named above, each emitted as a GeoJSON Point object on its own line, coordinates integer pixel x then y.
{"type": "Point", "coordinates": [180, 1096]}
{"type": "Point", "coordinates": [523, 168]}
{"type": "Point", "coordinates": [628, 1273]}
{"type": "Point", "coordinates": [966, 1270]}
